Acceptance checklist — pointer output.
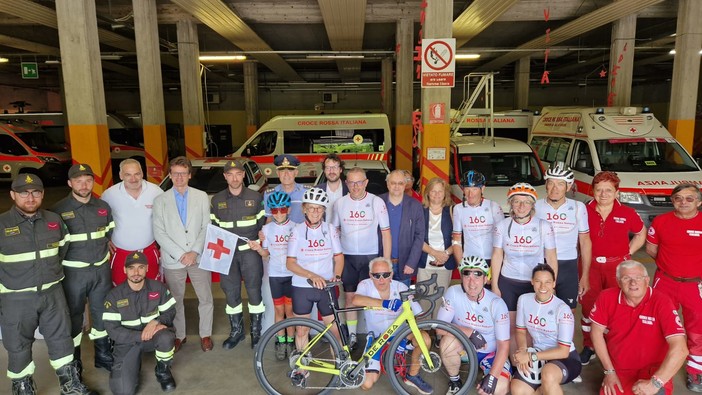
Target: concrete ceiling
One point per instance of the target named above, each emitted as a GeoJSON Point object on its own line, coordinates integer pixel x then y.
{"type": "Point", "coordinates": [287, 37]}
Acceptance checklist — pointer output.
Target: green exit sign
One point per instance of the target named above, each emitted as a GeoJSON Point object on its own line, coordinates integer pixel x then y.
{"type": "Point", "coordinates": [30, 71]}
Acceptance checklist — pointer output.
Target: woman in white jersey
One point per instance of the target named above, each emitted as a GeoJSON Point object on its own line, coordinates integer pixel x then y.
{"type": "Point", "coordinates": [551, 359]}
{"type": "Point", "coordinates": [275, 246]}
{"type": "Point", "coordinates": [314, 254]}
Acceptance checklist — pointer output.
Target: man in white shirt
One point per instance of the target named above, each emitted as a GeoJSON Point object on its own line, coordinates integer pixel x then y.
{"type": "Point", "coordinates": [132, 202]}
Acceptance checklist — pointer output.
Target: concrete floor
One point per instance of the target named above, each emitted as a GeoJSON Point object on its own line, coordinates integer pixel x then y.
{"type": "Point", "coordinates": [226, 371]}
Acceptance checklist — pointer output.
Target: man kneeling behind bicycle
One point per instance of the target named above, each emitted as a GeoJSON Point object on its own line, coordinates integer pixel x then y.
{"type": "Point", "coordinates": [484, 318]}
{"type": "Point", "coordinates": [381, 291]}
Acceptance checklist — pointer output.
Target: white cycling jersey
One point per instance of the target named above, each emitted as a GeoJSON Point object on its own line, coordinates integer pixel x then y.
{"type": "Point", "coordinates": [523, 246]}
{"type": "Point", "coordinates": [477, 224]}
{"type": "Point", "coordinates": [568, 221]}
{"type": "Point", "coordinates": [488, 315]}
{"type": "Point", "coordinates": [359, 221]}
{"type": "Point", "coordinates": [276, 242]}
{"type": "Point", "coordinates": [549, 324]}
{"type": "Point", "coordinates": [314, 249]}
{"type": "Point", "coordinates": [378, 320]}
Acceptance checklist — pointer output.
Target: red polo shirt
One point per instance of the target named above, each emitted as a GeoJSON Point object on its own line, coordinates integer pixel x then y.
{"type": "Point", "coordinates": [679, 244]}
{"type": "Point", "coordinates": [610, 237]}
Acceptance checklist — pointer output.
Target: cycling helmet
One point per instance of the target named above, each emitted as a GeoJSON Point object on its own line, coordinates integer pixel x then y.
{"type": "Point", "coordinates": [533, 374]}
{"type": "Point", "coordinates": [472, 178]}
{"type": "Point", "coordinates": [475, 262]}
{"type": "Point", "coordinates": [522, 188]}
{"type": "Point", "coordinates": [278, 199]}
{"type": "Point", "coordinates": [315, 196]}
{"type": "Point", "coordinates": [558, 171]}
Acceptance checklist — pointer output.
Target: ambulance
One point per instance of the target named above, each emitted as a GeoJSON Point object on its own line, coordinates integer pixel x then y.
{"type": "Point", "coordinates": [503, 161]}
{"type": "Point", "coordinates": [25, 148]}
{"type": "Point", "coordinates": [627, 140]}
{"type": "Point", "coordinates": [311, 137]}
{"type": "Point", "coordinates": [513, 124]}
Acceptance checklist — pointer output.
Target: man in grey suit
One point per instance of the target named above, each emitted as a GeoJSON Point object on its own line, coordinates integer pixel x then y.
{"type": "Point", "coordinates": [180, 219]}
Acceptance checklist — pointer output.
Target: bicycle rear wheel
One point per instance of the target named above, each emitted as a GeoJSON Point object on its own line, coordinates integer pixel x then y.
{"type": "Point", "coordinates": [398, 360]}
{"type": "Point", "coordinates": [274, 374]}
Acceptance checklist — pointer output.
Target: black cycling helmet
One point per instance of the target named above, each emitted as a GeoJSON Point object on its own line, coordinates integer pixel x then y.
{"type": "Point", "coordinates": [473, 178]}
{"type": "Point", "coordinates": [278, 199]}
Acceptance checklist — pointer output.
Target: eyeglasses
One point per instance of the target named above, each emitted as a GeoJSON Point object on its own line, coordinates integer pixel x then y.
{"type": "Point", "coordinates": [332, 168]}
{"type": "Point", "coordinates": [316, 209]}
{"type": "Point", "coordinates": [180, 174]}
{"type": "Point", "coordinates": [680, 199]}
{"type": "Point", "coordinates": [522, 203]}
{"type": "Point", "coordinates": [384, 275]}
{"type": "Point", "coordinates": [474, 273]}
{"type": "Point", "coordinates": [279, 210]}
{"type": "Point", "coordinates": [635, 279]}
{"type": "Point", "coordinates": [25, 194]}
{"type": "Point", "coordinates": [355, 183]}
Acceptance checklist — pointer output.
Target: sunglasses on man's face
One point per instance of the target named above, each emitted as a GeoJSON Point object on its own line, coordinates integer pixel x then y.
{"type": "Point", "coordinates": [384, 275]}
{"type": "Point", "coordinates": [474, 273]}
{"type": "Point", "coordinates": [279, 210]}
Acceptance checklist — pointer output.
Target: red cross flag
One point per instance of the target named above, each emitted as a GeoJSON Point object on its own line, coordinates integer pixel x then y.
{"type": "Point", "coordinates": [220, 246]}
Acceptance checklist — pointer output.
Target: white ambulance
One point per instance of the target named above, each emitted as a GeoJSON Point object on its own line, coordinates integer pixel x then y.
{"type": "Point", "coordinates": [26, 148]}
{"type": "Point", "coordinates": [311, 137]}
{"type": "Point", "coordinates": [627, 140]}
{"type": "Point", "coordinates": [504, 162]}
{"type": "Point", "coordinates": [513, 124]}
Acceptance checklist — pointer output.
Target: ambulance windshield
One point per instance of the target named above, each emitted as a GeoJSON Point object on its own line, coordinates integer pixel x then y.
{"type": "Point", "coordinates": [643, 155]}
{"type": "Point", "coordinates": [503, 169]}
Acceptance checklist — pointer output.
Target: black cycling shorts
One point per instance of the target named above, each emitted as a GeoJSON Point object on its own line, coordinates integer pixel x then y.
{"type": "Point", "coordinates": [567, 282]}
{"type": "Point", "coordinates": [304, 298]}
{"type": "Point", "coordinates": [355, 270]}
{"type": "Point", "coordinates": [280, 287]}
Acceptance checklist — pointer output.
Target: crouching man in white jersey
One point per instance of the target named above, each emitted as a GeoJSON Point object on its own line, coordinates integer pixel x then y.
{"type": "Point", "coordinates": [484, 318]}
{"type": "Point", "coordinates": [380, 290]}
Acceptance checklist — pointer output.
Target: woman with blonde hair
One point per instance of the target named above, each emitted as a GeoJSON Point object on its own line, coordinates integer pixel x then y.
{"type": "Point", "coordinates": [437, 251]}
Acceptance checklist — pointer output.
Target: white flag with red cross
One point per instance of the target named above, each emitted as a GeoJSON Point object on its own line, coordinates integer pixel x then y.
{"type": "Point", "coordinates": [218, 253]}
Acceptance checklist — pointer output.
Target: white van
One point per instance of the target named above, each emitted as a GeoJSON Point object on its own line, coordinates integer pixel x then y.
{"type": "Point", "coordinates": [627, 140]}
{"type": "Point", "coordinates": [311, 137]}
{"type": "Point", "coordinates": [26, 148]}
{"type": "Point", "coordinates": [503, 161]}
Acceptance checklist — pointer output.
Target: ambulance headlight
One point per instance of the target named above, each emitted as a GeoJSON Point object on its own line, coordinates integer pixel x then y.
{"type": "Point", "coordinates": [630, 198]}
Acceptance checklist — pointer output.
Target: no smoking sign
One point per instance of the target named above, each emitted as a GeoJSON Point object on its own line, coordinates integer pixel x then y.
{"type": "Point", "coordinates": [438, 62]}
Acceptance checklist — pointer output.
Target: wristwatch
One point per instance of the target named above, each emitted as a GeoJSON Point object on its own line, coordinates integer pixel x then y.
{"type": "Point", "coordinates": [658, 383]}
{"type": "Point", "coordinates": [533, 356]}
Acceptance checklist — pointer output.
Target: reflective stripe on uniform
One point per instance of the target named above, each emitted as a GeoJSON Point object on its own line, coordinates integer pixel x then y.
{"type": "Point", "coordinates": [171, 302]}
{"type": "Point", "coordinates": [77, 339]}
{"type": "Point", "coordinates": [28, 371]}
{"type": "Point", "coordinates": [107, 316]}
{"type": "Point", "coordinates": [28, 256]}
{"type": "Point", "coordinates": [43, 287]}
{"type": "Point", "coordinates": [56, 364]}
{"type": "Point", "coordinates": [96, 334]}
{"type": "Point", "coordinates": [234, 310]}
{"type": "Point", "coordinates": [165, 355]}
{"type": "Point", "coordinates": [80, 264]}
{"type": "Point", "coordinates": [259, 308]}
{"type": "Point", "coordinates": [221, 224]}
{"type": "Point", "coordinates": [251, 222]}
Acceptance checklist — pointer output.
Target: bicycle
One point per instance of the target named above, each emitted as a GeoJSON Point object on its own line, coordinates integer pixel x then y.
{"type": "Point", "coordinates": [327, 362]}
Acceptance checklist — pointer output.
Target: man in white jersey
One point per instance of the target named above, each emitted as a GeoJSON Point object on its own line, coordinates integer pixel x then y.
{"type": "Point", "coordinates": [358, 216]}
{"type": "Point", "coordinates": [380, 290]}
{"type": "Point", "coordinates": [335, 188]}
{"type": "Point", "coordinates": [482, 316]}
{"type": "Point", "coordinates": [132, 203]}
{"type": "Point", "coordinates": [569, 220]}
{"type": "Point", "coordinates": [474, 220]}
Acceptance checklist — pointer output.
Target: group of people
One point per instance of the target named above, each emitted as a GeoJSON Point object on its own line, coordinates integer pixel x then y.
{"type": "Point", "coordinates": [521, 275]}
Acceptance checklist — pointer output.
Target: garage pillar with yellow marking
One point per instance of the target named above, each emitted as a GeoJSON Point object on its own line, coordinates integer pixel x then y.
{"type": "Point", "coordinates": [191, 89]}
{"type": "Point", "coordinates": [251, 97]}
{"type": "Point", "coordinates": [435, 139]}
{"type": "Point", "coordinates": [686, 72]}
{"type": "Point", "coordinates": [404, 94]}
{"type": "Point", "coordinates": [151, 89]}
{"type": "Point", "coordinates": [83, 88]}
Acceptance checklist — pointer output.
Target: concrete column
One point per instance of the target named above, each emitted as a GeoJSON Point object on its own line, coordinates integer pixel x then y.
{"type": "Point", "coordinates": [153, 115]}
{"type": "Point", "coordinates": [437, 24]}
{"type": "Point", "coordinates": [251, 96]}
{"type": "Point", "coordinates": [191, 88]}
{"type": "Point", "coordinates": [621, 61]}
{"type": "Point", "coordinates": [85, 95]}
{"type": "Point", "coordinates": [404, 93]}
{"type": "Point", "coordinates": [386, 88]}
{"type": "Point", "coordinates": [521, 82]}
{"type": "Point", "coordinates": [686, 71]}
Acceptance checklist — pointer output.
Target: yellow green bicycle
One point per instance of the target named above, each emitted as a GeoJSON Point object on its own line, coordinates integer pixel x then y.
{"type": "Point", "coordinates": [327, 363]}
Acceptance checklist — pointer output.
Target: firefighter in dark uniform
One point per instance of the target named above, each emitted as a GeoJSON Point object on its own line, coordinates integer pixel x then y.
{"type": "Point", "coordinates": [139, 318]}
{"type": "Point", "coordinates": [86, 264]}
{"type": "Point", "coordinates": [32, 243]}
{"type": "Point", "coordinates": [240, 210]}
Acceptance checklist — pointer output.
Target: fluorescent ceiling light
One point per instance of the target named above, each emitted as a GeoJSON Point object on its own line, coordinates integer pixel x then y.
{"type": "Point", "coordinates": [4, 60]}
{"type": "Point", "coordinates": [672, 52]}
{"type": "Point", "coordinates": [221, 57]}
{"type": "Point", "coordinates": [52, 61]}
{"type": "Point", "coordinates": [331, 56]}
{"type": "Point", "coordinates": [460, 56]}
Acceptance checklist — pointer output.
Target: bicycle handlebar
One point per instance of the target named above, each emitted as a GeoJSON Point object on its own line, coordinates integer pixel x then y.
{"type": "Point", "coordinates": [421, 292]}
{"type": "Point", "coordinates": [327, 284]}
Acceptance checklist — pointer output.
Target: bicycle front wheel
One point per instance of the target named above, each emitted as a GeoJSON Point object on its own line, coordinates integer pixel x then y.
{"type": "Point", "coordinates": [274, 363]}
{"type": "Point", "coordinates": [398, 361]}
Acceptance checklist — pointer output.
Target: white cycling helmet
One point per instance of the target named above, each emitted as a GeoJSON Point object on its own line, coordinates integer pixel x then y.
{"type": "Point", "coordinates": [475, 262]}
{"type": "Point", "coordinates": [559, 171]}
{"type": "Point", "coordinates": [522, 188]}
{"type": "Point", "coordinates": [316, 196]}
{"type": "Point", "coordinates": [533, 375]}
